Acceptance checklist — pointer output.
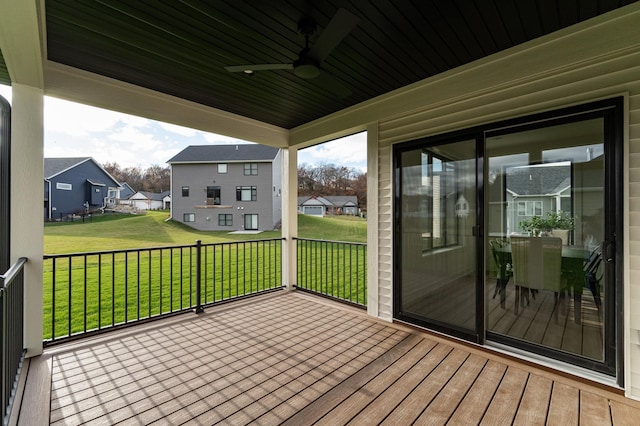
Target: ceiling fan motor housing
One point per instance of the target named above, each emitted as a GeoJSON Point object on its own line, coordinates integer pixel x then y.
{"type": "Point", "coordinates": [305, 66]}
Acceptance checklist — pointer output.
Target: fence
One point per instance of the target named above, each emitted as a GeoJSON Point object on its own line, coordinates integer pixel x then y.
{"type": "Point", "coordinates": [333, 269]}
{"type": "Point", "coordinates": [11, 331]}
{"type": "Point", "coordinates": [90, 292]}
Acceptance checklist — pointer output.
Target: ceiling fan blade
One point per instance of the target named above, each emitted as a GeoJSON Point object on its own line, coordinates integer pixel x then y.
{"type": "Point", "coordinates": [338, 28]}
{"type": "Point", "coordinates": [258, 67]}
{"type": "Point", "coordinates": [332, 84]}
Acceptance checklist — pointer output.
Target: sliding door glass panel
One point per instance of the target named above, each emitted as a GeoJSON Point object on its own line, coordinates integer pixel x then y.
{"type": "Point", "coordinates": [437, 260]}
{"type": "Point", "coordinates": [544, 209]}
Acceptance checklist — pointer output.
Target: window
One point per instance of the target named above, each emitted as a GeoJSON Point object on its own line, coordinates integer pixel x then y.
{"type": "Point", "coordinates": [225, 219]}
{"type": "Point", "coordinates": [251, 169]}
{"type": "Point", "coordinates": [185, 191]}
{"type": "Point", "coordinates": [529, 208]}
{"type": "Point", "coordinates": [246, 193]}
{"type": "Point", "coordinates": [213, 195]}
{"type": "Point", "coordinates": [64, 186]}
{"type": "Point", "coordinates": [222, 168]}
{"type": "Point", "coordinates": [251, 222]}
{"type": "Point", "coordinates": [438, 208]}
{"type": "Point", "coordinates": [189, 217]}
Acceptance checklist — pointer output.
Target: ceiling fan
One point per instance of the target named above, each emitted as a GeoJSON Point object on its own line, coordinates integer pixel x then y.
{"type": "Point", "coordinates": [308, 64]}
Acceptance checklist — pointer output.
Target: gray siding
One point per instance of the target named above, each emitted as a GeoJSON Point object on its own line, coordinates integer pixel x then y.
{"type": "Point", "coordinates": [198, 176]}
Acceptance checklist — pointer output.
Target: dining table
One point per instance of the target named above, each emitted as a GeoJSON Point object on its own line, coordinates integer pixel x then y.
{"type": "Point", "coordinates": [572, 271]}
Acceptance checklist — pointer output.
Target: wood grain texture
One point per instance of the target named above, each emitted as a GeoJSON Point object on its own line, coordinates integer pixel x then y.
{"type": "Point", "coordinates": [291, 358]}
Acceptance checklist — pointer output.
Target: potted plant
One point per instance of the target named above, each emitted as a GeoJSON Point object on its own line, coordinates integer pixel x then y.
{"type": "Point", "coordinates": [535, 226]}
{"type": "Point", "coordinates": [559, 224]}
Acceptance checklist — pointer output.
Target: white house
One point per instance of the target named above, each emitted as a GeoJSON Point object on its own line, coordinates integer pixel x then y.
{"type": "Point", "coordinates": [144, 200]}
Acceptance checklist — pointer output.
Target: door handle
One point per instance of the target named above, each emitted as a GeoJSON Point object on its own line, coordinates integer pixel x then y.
{"type": "Point", "coordinates": [609, 251]}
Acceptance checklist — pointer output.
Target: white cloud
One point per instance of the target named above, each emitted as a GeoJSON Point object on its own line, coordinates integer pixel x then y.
{"type": "Point", "coordinates": [76, 130]}
{"type": "Point", "coordinates": [5, 92]}
{"type": "Point", "coordinates": [81, 120]}
{"type": "Point", "coordinates": [215, 139]}
{"type": "Point", "coordinates": [350, 151]}
{"type": "Point", "coordinates": [174, 128]}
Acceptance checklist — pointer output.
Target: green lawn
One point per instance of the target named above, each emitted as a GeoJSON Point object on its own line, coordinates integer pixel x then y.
{"type": "Point", "coordinates": [116, 232]}
{"type": "Point", "coordinates": [335, 228]}
{"type": "Point", "coordinates": [102, 290]}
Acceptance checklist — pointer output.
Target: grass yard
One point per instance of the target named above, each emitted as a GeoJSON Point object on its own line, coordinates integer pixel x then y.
{"type": "Point", "coordinates": [117, 232]}
{"type": "Point", "coordinates": [102, 290]}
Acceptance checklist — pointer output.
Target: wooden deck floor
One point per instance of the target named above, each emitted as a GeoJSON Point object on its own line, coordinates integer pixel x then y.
{"type": "Point", "coordinates": [296, 359]}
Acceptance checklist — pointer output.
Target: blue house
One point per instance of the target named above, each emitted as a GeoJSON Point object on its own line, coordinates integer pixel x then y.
{"type": "Point", "coordinates": [126, 191]}
{"type": "Point", "coordinates": [76, 185]}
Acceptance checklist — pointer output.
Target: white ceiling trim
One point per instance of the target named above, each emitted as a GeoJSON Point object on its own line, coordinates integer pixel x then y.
{"type": "Point", "coordinates": [20, 41]}
{"type": "Point", "coordinates": [92, 89]}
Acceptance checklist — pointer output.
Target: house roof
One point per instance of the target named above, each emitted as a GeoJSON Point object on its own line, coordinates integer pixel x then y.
{"type": "Point", "coordinates": [224, 153]}
{"type": "Point", "coordinates": [329, 200]}
{"type": "Point", "coordinates": [182, 48]}
{"type": "Point", "coordinates": [538, 180]}
{"type": "Point", "coordinates": [153, 196]}
{"type": "Point", "coordinates": [55, 166]}
{"type": "Point", "coordinates": [342, 200]}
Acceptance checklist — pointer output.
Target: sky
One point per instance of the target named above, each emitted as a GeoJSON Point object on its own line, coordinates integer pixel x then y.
{"type": "Point", "coordinates": [76, 130]}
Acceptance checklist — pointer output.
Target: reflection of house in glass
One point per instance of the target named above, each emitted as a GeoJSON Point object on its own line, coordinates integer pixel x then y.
{"type": "Point", "coordinates": [535, 190]}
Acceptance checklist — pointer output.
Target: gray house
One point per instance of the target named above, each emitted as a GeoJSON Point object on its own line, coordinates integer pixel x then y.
{"type": "Point", "coordinates": [329, 204]}
{"type": "Point", "coordinates": [76, 185]}
{"type": "Point", "coordinates": [536, 190]}
{"type": "Point", "coordinates": [227, 187]}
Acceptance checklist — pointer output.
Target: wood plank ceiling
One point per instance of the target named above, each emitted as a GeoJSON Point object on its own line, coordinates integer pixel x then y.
{"type": "Point", "coordinates": [182, 47]}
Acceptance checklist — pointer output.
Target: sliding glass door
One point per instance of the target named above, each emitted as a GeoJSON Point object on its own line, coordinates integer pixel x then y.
{"type": "Point", "coordinates": [512, 235]}
{"type": "Point", "coordinates": [437, 236]}
{"type": "Point", "coordinates": [550, 276]}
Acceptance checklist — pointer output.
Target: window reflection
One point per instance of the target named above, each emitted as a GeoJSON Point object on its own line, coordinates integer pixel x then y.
{"type": "Point", "coordinates": [547, 185]}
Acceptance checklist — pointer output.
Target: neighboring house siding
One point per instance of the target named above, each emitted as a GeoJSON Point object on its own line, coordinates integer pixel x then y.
{"type": "Point", "coordinates": [276, 173]}
{"type": "Point", "coordinates": [575, 66]}
{"type": "Point", "coordinates": [64, 201]}
{"type": "Point", "coordinates": [198, 176]}
{"type": "Point", "coordinates": [147, 201]}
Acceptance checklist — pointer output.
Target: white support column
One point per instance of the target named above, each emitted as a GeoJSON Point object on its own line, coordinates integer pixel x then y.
{"type": "Point", "coordinates": [372, 219]}
{"type": "Point", "coordinates": [27, 223]}
{"type": "Point", "coordinates": [289, 216]}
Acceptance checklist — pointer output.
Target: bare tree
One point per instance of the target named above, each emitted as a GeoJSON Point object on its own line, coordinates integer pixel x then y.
{"type": "Point", "coordinates": [153, 179]}
{"type": "Point", "coordinates": [329, 179]}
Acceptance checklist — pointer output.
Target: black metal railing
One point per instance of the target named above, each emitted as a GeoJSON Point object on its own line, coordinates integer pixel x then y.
{"type": "Point", "coordinates": [335, 269]}
{"type": "Point", "coordinates": [11, 332]}
{"type": "Point", "coordinates": [90, 292]}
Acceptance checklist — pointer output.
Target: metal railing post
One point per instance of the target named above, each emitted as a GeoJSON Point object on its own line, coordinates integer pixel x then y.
{"type": "Point", "coordinates": [199, 309]}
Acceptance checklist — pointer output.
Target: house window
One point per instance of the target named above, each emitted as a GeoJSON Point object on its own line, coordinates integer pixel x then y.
{"type": "Point", "coordinates": [185, 191]}
{"type": "Point", "coordinates": [225, 219]}
{"type": "Point", "coordinates": [222, 168]}
{"type": "Point", "coordinates": [251, 222]}
{"type": "Point", "coordinates": [64, 186]}
{"type": "Point", "coordinates": [189, 217]}
{"type": "Point", "coordinates": [246, 193]}
{"type": "Point", "coordinates": [437, 178]}
{"type": "Point", "coordinates": [529, 208]}
{"type": "Point", "coordinates": [213, 195]}
{"type": "Point", "coordinates": [251, 169]}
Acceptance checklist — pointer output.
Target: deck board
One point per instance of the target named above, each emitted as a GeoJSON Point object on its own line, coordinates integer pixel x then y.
{"type": "Point", "coordinates": [291, 358]}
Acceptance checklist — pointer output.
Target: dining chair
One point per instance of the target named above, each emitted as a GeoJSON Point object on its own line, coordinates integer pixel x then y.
{"type": "Point", "coordinates": [536, 267]}
{"type": "Point", "coordinates": [504, 272]}
{"type": "Point", "coordinates": [593, 275]}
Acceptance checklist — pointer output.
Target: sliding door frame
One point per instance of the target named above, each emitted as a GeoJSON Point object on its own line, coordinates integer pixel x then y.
{"type": "Point", "coordinates": [612, 111]}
